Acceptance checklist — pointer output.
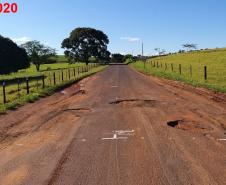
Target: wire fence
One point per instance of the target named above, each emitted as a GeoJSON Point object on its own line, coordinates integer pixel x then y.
{"type": "Point", "coordinates": [13, 89]}
{"type": "Point", "coordinates": [182, 70]}
{"type": "Point", "coordinates": [212, 75]}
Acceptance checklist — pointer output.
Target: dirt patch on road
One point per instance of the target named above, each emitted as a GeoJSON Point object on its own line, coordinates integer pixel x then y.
{"type": "Point", "coordinates": [129, 103]}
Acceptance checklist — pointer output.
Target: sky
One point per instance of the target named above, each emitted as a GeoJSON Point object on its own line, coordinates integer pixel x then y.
{"type": "Point", "coordinates": [165, 24]}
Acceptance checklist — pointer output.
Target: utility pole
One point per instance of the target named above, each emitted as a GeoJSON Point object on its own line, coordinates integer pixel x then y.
{"type": "Point", "coordinates": [142, 49]}
{"type": "Point", "coordinates": [143, 55]}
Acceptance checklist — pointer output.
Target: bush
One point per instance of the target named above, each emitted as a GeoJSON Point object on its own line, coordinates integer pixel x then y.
{"type": "Point", "coordinates": [12, 57]}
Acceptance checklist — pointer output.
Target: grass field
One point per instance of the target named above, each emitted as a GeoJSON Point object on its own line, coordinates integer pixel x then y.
{"type": "Point", "coordinates": [31, 71]}
{"type": "Point", "coordinates": [214, 60]}
{"type": "Point", "coordinates": [60, 59]}
{"type": "Point", "coordinates": [17, 97]}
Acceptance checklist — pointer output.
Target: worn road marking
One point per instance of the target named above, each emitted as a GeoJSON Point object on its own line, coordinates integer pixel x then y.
{"type": "Point", "coordinates": [221, 139]}
{"type": "Point", "coordinates": [115, 137]}
{"type": "Point", "coordinates": [125, 132]}
{"type": "Point", "coordinates": [120, 134]}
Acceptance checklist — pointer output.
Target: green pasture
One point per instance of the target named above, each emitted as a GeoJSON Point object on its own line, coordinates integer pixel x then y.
{"type": "Point", "coordinates": [192, 68]}
{"type": "Point", "coordinates": [31, 71]}
{"type": "Point", "coordinates": [17, 95]}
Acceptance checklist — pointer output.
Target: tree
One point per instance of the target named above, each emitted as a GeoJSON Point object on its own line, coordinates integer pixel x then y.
{"type": "Point", "coordinates": [181, 51]}
{"type": "Point", "coordinates": [38, 53]}
{"type": "Point", "coordinates": [128, 57]}
{"type": "Point", "coordinates": [117, 58]}
{"type": "Point", "coordinates": [84, 43]}
{"type": "Point", "coordinates": [190, 46]}
{"type": "Point", "coordinates": [12, 57]}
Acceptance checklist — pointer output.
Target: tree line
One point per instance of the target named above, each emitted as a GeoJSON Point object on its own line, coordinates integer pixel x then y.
{"type": "Point", "coordinates": [82, 45]}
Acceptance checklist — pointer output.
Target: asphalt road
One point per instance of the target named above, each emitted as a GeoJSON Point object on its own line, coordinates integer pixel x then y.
{"type": "Point", "coordinates": [117, 127]}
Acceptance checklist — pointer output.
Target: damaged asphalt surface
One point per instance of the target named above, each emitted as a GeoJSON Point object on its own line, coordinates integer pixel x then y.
{"type": "Point", "coordinates": [118, 127]}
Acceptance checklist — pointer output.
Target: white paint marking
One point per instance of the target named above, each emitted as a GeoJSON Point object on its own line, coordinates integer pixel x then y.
{"type": "Point", "coordinates": [221, 139]}
{"type": "Point", "coordinates": [120, 134]}
{"type": "Point", "coordinates": [113, 138]}
{"type": "Point", "coordinates": [124, 131]}
{"type": "Point", "coordinates": [114, 86]}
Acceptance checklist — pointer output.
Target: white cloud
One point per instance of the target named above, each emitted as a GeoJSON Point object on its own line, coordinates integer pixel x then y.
{"type": "Point", "coordinates": [21, 40]}
{"type": "Point", "coordinates": [130, 39]}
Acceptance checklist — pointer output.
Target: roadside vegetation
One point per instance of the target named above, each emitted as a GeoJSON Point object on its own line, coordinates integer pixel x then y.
{"type": "Point", "coordinates": [37, 92]}
{"type": "Point", "coordinates": [45, 68]}
{"type": "Point", "coordinates": [192, 68]}
{"type": "Point", "coordinates": [34, 70]}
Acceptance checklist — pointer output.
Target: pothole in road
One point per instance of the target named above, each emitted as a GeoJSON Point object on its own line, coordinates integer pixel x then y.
{"type": "Point", "coordinates": [189, 125]}
{"type": "Point", "coordinates": [134, 103]}
{"type": "Point", "coordinates": [173, 123]}
{"type": "Point", "coordinates": [81, 91]}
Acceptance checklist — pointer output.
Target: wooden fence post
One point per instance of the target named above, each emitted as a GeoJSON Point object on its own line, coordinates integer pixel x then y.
{"type": "Point", "coordinates": [190, 70]}
{"type": "Point", "coordinates": [18, 87]}
{"type": "Point", "coordinates": [54, 78]}
{"type": "Point", "coordinates": [4, 92]}
{"type": "Point", "coordinates": [205, 72]}
{"type": "Point", "coordinates": [50, 79]}
{"type": "Point", "coordinates": [172, 66]}
{"type": "Point", "coordinates": [43, 81]}
{"type": "Point", "coordinates": [62, 75]}
{"type": "Point", "coordinates": [37, 84]}
{"type": "Point", "coordinates": [180, 69]}
{"type": "Point", "coordinates": [27, 85]}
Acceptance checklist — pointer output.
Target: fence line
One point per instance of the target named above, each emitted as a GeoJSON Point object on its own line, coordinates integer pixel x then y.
{"type": "Point", "coordinates": [47, 79]}
{"type": "Point", "coordinates": [156, 64]}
